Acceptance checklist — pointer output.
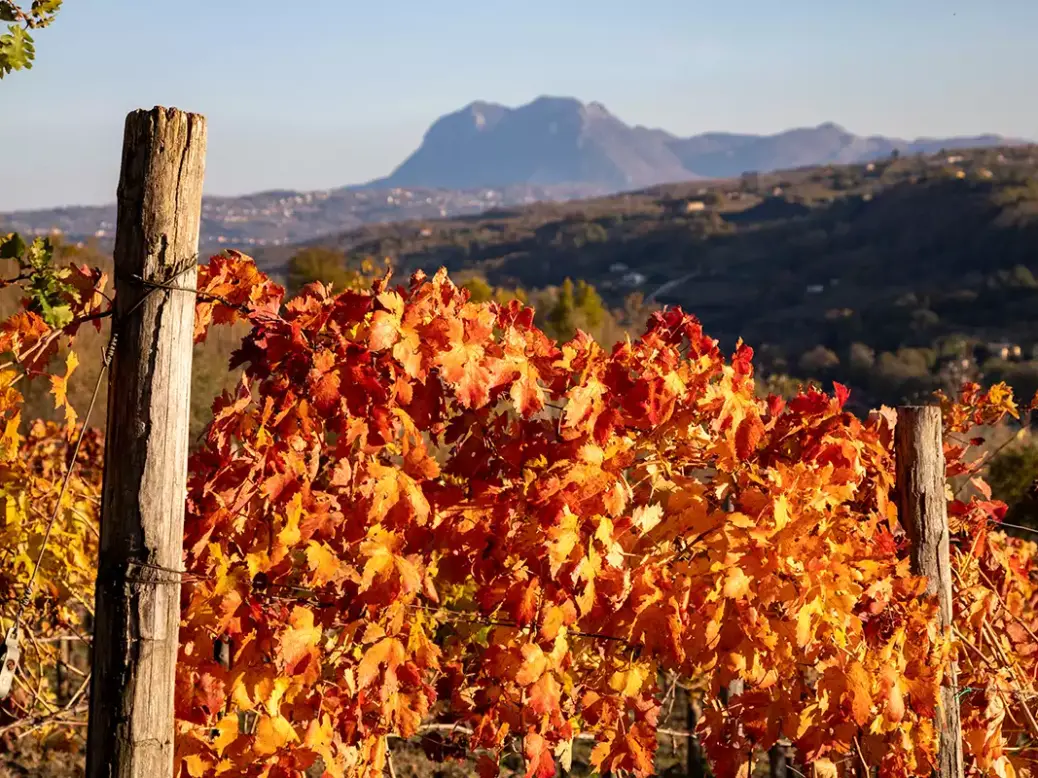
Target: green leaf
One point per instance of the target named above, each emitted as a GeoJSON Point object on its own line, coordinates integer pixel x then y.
{"type": "Point", "coordinates": [40, 253]}
{"type": "Point", "coordinates": [16, 50]}
{"type": "Point", "coordinates": [43, 12]}
{"type": "Point", "coordinates": [45, 7]}
{"type": "Point", "coordinates": [8, 11]}
{"type": "Point", "coordinates": [12, 246]}
{"type": "Point", "coordinates": [56, 316]}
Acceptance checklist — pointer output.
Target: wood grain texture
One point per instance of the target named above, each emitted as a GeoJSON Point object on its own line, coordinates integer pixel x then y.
{"type": "Point", "coordinates": [145, 482]}
{"type": "Point", "coordinates": [923, 511]}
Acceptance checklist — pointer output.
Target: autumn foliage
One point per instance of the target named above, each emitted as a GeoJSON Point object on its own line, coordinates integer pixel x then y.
{"type": "Point", "coordinates": [419, 509]}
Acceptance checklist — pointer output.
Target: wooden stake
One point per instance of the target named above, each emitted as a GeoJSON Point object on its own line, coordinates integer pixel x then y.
{"type": "Point", "coordinates": [695, 760]}
{"type": "Point", "coordinates": [145, 480]}
{"type": "Point", "coordinates": [778, 761]}
{"type": "Point", "coordinates": [923, 511]}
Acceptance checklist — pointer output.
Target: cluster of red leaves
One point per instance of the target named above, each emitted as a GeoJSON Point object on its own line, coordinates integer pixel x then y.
{"type": "Point", "coordinates": [416, 507]}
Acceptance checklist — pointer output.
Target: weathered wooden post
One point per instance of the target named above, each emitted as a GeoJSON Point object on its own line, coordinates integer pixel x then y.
{"type": "Point", "coordinates": [923, 511]}
{"type": "Point", "coordinates": [142, 509]}
{"type": "Point", "coordinates": [778, 761]}
{"type": "Point", "coordinates": [694, 758]}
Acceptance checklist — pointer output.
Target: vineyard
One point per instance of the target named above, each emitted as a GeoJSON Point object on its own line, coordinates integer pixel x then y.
{"type": "Point", "coordinates": [417, 517]}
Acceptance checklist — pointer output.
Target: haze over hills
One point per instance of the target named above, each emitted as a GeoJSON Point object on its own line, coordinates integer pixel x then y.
{"type": "Point", "coordinates": [488, 156]}
{"type": "Point", "coordinates": [560, 140]}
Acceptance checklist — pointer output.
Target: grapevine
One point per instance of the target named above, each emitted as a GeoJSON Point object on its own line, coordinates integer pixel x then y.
{"type": "Point", "coordinates": [417, 510]}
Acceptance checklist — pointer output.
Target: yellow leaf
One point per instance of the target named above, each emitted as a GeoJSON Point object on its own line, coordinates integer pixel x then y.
{"type": "Point", "coordinates": [269, 692]}
{"type": "Point", "coordinates": [195, 765]}
{"type": "Point", "coordinates": [629, 682]}
{"type": "Point", "coordinates": [59, 388]}
{"type": "Point", "coordinates": [272, 734]}
{"type": "Point", "coordinates": [804, 623]}
{"type": "Point", "coordinates": [323, 563]}
{"type": "Point", "coordinates": [781, 511]}
{"type": "Point", "coordinates": [288, 533]}
{"type": "Point", "coordinates": [737, 584]}
{"type": "Point", "coordinates": [564, 753]}
{"type": "Point", "coordinates": [563, 539]}
{"type": "Point", "coordinates": [227, 729]}
{"type": "Point", "coordinates": [646, 517]}
{"type": "Point", "coordinates": [383, 563]}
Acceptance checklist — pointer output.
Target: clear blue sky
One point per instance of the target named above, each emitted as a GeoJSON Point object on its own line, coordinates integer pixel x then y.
{"type": "Point", "coordinates": [329, 92]}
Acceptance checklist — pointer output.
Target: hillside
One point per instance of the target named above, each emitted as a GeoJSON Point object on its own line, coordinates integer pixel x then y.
{"type": "Point", "coordinates": [560, 140]}
{"type": "Point", "coordinates": [894, 276]}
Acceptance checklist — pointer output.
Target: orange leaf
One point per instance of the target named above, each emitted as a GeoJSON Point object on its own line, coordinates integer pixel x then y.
{"type": "Point", "coordinates": [859, 687]}
{"type": "Point", "coordinates": [540, 761]}
{"type": "Point", "coordinates": [388, 651]}
{"type": "Point", "coordinates": [534, 665]}
{"type": "Point", "coordinates": [299, 643]}
{"type": "Point", "coordinates": [272, 734]}
{"type": "Point", "coordinates": [748, 436]}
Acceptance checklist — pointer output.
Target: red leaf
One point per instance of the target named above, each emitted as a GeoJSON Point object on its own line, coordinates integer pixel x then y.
{"type": "Point", "coordinates": [748, 436]}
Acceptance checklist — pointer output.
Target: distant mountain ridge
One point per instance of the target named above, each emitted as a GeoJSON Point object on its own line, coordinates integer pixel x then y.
{"type": "Point", "coordinates": [560, 140]}
{"type": "Point", "coordinates": [488, 156]}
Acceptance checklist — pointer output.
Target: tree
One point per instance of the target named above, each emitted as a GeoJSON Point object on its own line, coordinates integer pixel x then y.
{"type": "Point", "coordinates": [1021, 277]}
{"type": "Point", "coordinates": [561, 319]}
{"type": "Point", "coordinates": [591, 308]}
{"type": "Point", "coordinates": [818, 360]}
{"type": "Point", "coordinates": [862, 358]}
{"type": "Point", "coordinates": [326, 265]}
{"type": "Point", "coordinates": [17, 47]}
{"type": "Point", "coordinates": [481, 291]}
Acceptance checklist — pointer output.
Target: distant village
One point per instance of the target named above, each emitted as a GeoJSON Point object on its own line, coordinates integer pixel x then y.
{"type": "Point", "coordinates": [284, 218]}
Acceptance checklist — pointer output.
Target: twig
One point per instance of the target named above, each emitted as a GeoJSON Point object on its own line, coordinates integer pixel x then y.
{"type": "Point", "coordinates": [861, 756]}
{"type": "Point", "coordinates": [35, 722]}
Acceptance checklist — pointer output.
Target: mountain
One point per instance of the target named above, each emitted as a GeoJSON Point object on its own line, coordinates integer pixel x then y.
{"type": "Point", "coordinates": [488, 156]}
{"type": "Point", "coordinates": [553, 140]}
{"type": "Point", "coordinates": [560, 140]}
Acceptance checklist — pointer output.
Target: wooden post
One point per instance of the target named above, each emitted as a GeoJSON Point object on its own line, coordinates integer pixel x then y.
{"type": "Point", "coordinates": [695, 760]}
{"type": "Point", "coordinates": [778, 761]}
{"type": "Point", "coordinates": [923, 511]}
{"type": "Point", "coordinates": [145, 479]}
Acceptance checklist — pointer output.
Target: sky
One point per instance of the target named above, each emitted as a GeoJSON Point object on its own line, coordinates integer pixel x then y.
{"type": "Point", "coordinates": [315, 94]}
